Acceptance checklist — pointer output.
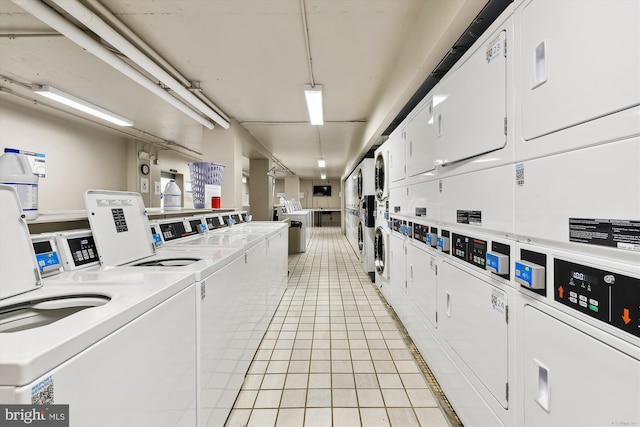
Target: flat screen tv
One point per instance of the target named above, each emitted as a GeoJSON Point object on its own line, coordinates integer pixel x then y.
{"type": "Point", "coordinates": [321, 191]}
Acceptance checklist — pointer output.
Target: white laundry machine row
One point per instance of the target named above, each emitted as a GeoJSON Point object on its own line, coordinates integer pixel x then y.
{"type": "Point", "coordinates": [242, 298]}
{"type": "Point", "coordinates": [87, 330]}
{"type": "Point", "coordinates": [539, 199]}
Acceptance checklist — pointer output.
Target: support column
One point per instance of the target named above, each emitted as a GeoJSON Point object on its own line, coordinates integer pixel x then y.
{"type": "Point", "coordinates": [261, 188]}
{"type": "Point", "coordinates": [292, 187]}
{"type": "Point", "coordinates": [222, 146]}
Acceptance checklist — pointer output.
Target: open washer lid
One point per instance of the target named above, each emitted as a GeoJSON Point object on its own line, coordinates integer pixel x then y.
{"type": "Point", "coordinates": [120, 226]}
{"type": "Point", "coordinates": [19, 271]}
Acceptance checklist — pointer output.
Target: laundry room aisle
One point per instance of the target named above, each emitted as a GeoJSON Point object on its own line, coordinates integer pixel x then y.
{"type": "Point", "coordinates": [333, 354]}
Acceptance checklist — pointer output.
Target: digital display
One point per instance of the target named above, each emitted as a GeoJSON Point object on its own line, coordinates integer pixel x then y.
{"type": "Point", "coordinates": [578, 275]}
{"type": "Point", "coordinates": [175, 230]}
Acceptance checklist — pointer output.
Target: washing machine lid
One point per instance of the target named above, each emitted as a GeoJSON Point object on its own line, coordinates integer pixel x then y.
{"type": "Point", "coordinates": [120, 226]}
{"type": "Point", "coordinates": [19, 271]}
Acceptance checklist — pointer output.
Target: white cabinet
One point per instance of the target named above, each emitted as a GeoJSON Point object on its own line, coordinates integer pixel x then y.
{"type": "Point", "coordinates": [579, 62]}
{"type": "Point", "coordinates": [397, 154]}
{"type": "Point", "coordinates": [472, 319]}
{"type": "Point", "coordinates": [470, 103]}
{"type": "Point", "coordinates": [573, 379]}
{"type": "Point", "coordinates": [397, 270]}
{"type": "Point", "coordinates": [421, 139]}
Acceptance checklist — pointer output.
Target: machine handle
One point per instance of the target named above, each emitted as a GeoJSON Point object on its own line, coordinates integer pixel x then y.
{"type": "Point", "coordinates": [544, 387]}
{"type": "Point", "coordinates": [439, 123]}
{"type": "Point", "coordinates": [540, 71]}
{"type": "Point", "coordinates": [448, 305]}
{"type": "Point", "coordinates": [411, 272]}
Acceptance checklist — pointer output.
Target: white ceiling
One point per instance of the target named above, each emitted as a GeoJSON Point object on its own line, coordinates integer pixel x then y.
{"type": "Point", "coordinates": [250, 57]}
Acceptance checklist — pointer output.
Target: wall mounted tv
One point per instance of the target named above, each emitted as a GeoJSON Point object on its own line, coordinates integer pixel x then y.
{"type": "Point", "coordinates": [321, 191]}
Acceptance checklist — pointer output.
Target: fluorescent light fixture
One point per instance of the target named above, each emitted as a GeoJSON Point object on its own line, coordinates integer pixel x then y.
{"type": "Point", "coordinates": [323, 175]}
{"type": "Point", "coordinates": [321, 163]}
{"type": "Point", "coordinates": [80, 104]}
{"type": "Point", "coordinates": [313, 95]}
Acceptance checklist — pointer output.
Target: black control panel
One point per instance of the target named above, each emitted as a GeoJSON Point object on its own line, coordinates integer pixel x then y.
{"type": "Point", "coordinates": [609, 297]}
{"type": "Point", "coordinates": [225, 220]}
{"type": "Point", "coordinates": [470, 250]}
{"type": "Point", "coordinates": [213, 222]}
{"type": "Point", "coordinates": [420, 232]}
{"type": "Point", "coordinates": [367, 210]}
{"type": "Point", "coordinates": [176, 230]}
{"type": "Point", "coordinates": [83, 250]}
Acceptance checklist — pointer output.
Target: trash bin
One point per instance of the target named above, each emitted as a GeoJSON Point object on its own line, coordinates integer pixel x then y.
{"type": "Point", "coordinates": [295, 237]}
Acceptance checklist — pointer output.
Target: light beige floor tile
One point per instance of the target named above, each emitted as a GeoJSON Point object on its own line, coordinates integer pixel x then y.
{"type": "Point", "coordinates": [402, 417]}
{"type": "Point", "coordinates": [360, 354]}
{"type": "Point", "coordinates": [320, 366]}
{"type": "Point", "coordinates": [366, 381]}
{"type": "Point", "coordinates": [238, 418]}
{"type": "Point", "coordinates": [298, 366]}
{"type": "Point", "coordinates": [421, 398]}
{"type": "Point", "coordinates": [380, 354]}
{"type": "Point", "coordinates": [374, 417]}
{"type": "Point", "coordinates": [395, 397]}
{"type": "Point", "coordinates": [346, 417]}
{"type": "Point", "coordinates": [389, 381]}
{"type": "Point", "coordinates": [431, 417]}
{"type": "Point", "coordinates": [268, 399]}
{"type": "Point", "coordinates": [252, 382]}
{"type": "Point", "coordinates": [407, 366]}
{"type": "Point", "coordinates": [342, 381]}
{"type": "Point", "coordinates": [321, 354]}
{"type": "Point", "coordinates": [296, 381]}
{"type": "Point", "coordinates": [245, 399]}
{"type": "Point", "coordinates": [281, 354]}
{"type": "Point", "coordinates": [319, 380]}
{"type": "Point", "coordinates": [401, 354]}
{"type": "Point", "coordinates": [396, 344]}
{"type": "Point", "coordinates": [293, 398]}
{"type": "Point", "coordinates": [317, 417]}
{"type": "Point", "coordinates": [258, 367]}
{"type": "Point", "coordinates": [370, 397]}
{"type": "Point", "coordinates": [273, 381]}
{"type": "Point", "coordinates": [278, 367]}
{"type": "Point", "coordinates": [363, 366]}
{"type": "Point", "coordinates": [303, 354]}
{"type": "Point", "coordinates": [290, 417]}
{"type": "Point", "coordinates": [385, 366]}
{"type": "Point", "coordinates": [341, 366]}
{"type": "Point", "coordinates": [345, 397]}
{"type": "Point", "coordinates": [339, 344]}
{"type": "Point", "coordinates": [263, 418]}
{"type": "Point", "coordinates": [414, 380]}
{"type": "Point", "coordinates": [318, 397]}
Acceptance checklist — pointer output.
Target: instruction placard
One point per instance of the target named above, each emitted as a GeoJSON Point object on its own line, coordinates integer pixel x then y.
{"type": "Point", "coordinates": [621, 234]}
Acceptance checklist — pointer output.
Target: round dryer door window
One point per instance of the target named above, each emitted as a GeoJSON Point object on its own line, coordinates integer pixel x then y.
{"type": "Point", "coordinates": [359, 183]}
{"type": "Point", "coordinates": [379, 261]}
{"type": "Point", "coordinates": [379, 176]}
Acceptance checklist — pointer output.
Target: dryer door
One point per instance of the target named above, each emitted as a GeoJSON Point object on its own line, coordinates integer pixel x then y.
{"type": "Point", "coordinates": [380, 174]}
{"type": "Point", "coordinates": [574, 379]}
{"type": "Point", "coordinates": [379, 248]}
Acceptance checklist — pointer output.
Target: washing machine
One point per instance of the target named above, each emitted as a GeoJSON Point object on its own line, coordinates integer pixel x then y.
{"type": "Point", "coordinates": [229, 319]}
{"type": "Point", "coordinates": [60, 338]}
{"type": "Point", "coordinates": [231, 333]}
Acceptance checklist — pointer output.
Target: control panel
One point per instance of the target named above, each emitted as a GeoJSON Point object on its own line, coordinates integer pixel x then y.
{"type": "Point", "coordinates": [213, 222]}
{"type": "Point", "coordinates": [78, 250]}
{"type": "Point", "coordinates": [177, 230]}
{"type": "Point", "coordinates": [196, 224]}
{"type": "Point", "coordinates": [609, 297]}
{"type": "Point", "coordinates": [470, 250]}
{"type": "Point", "coordinates": [420, 232]}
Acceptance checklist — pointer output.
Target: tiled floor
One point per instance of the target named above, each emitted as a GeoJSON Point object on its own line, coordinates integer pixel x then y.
{"type": "Point", "coordinates": [333, 354]}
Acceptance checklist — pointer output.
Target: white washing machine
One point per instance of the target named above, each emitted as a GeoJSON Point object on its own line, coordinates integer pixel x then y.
{"type": "Point", "coordinates": [233, 321]}
{"type": "Point", "coordinates": [67, 336]}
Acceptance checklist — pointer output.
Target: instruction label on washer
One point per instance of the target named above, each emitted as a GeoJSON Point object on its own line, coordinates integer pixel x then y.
{"type": "Point", "coordinates": [621, 234]}
{"type": "Point", "coordinates": [469, 217]}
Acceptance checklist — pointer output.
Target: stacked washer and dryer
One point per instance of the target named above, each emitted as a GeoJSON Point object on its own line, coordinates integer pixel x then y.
{"type": "Point", "coordinates": [514, 206]}
{"type": "Point", "coordinates": [360, 214]}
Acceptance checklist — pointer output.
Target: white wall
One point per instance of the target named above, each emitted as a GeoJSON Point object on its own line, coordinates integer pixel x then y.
{"type": "Point", "coordinates": [78, 157]}
{"type": "Point", "coordinates": [310, 202]}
